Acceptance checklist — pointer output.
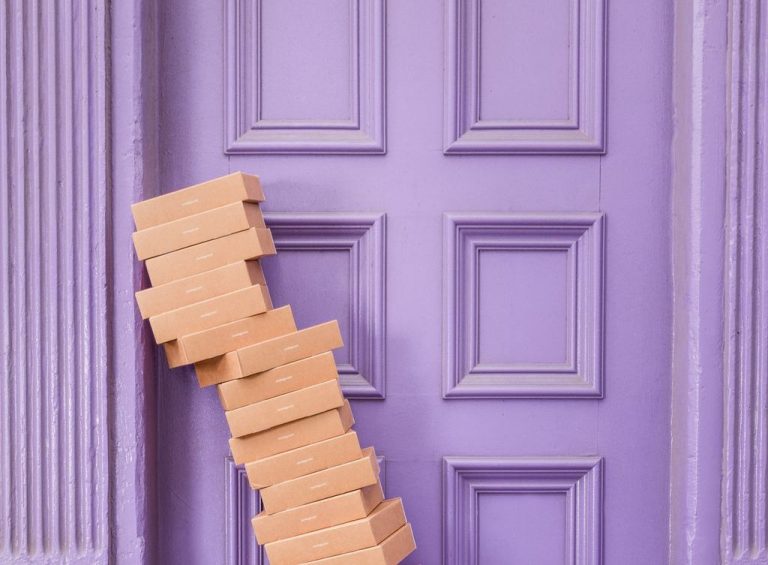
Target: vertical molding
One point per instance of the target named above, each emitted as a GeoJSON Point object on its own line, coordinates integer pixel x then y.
{"type": "Point", "coordinates": [247, 133]}
{"type": "Point", "coordinates": [579, 479]}
{"type": "Point", "coordinates": [745, 480]}
{"type": "Point", "coordinates": [465, 132]}
{"type": "Point", "coordinates": [54, 467]}
{"type": "Point", "coordinates": [364, 237]}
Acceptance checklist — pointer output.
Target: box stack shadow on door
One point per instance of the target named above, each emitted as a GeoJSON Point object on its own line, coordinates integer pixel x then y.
{"type": "Point", "coordinates": [291, 426]}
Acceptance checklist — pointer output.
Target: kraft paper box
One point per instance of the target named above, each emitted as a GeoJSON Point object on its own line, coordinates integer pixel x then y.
{"type": "Point", "coordinates": [205, 226]}
{"type": "Point", "coordinates": [284, 408]}
{"type": "Point", "coordinates": [189, 290]}
{"type": "Point", "coordinates": [292, 435]}
{"type": "Point", "coordinates": [215, 341]}
{"type": "Point", "coordinates": [280, 380]}
{"type": "Point", "coordinates": [304, 460]}
{"type": "Point", "coordinates": [210, 313]}
{"type": "Point", "coordinates": [235, 187]}
{"type": "Point", "coordinates": [243, 245]}
{"type": "Point", "coordinates": [386, 519]}
{"type": "Point", "coordinates": [389, 552]}
{"type": "Point", "coordinates": [322, 484]}
{"type": "Point", "coordinates": [314, 516]}
{"type": "Point", "coordinates": [272, 353]}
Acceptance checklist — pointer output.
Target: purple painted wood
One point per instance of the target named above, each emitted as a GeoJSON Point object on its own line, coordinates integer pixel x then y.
{"type": "Point", "coordinates": [615, 331]}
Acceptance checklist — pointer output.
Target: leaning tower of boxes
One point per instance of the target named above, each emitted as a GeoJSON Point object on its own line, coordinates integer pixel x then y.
{"type": "Point", "coordinates": [291, 427]}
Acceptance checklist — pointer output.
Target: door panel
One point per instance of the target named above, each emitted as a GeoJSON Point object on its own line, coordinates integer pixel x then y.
{"type": "Point", "coordinates": [495, 246]}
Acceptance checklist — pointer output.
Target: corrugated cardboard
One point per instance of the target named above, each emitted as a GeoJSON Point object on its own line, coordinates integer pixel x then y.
{"type": "Point", "coordinates": [314, 516]}
{"type": "Point", "coordinates": [322, 484]}
{"type": "Point", "coordinates": [304, 460]}
{"type": "Point", "coordinates": [211, 224]}
{"type": "Point", "coordinates": [284, 408]}
{"type": "Point", "coordinates": [277, 381]}
{"type": "Point", "coordinates": [189, 290]}
{"type": "Point", "coordinates": [249, 244]}
{"type": "Point", "coordinates": [271, 353]}
{"type": "Point", "coordinates": [235, 187]}
{"type": "Point", "coordinates": [391, 551]}
{"type": "Point", "coordinates": [292, 435]}
{"type": "Point", "coordinates": [386, 519]}
{"type": "Point", "coordinates": [209, 343]}
{"type": "Point", "coordinates": [210, 313]}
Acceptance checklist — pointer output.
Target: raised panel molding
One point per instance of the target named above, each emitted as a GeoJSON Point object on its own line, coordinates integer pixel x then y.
{"type": "Point", "coordinates": [579, 479]}
{"type": "Point", "coordinates": [464, 130]}
{"type": "Point", "coordinates": [248, 133]}
{"type": "Point", "coordinates": [243, 503]}
{"type": "Point", "coordinates": [744, 534]}
{"type": "Point", "coordinates": [363, 236]}
{"type": "Point", "coordinates": [54, 443]}
{"type": "Point", "coordinates": [581, 236]}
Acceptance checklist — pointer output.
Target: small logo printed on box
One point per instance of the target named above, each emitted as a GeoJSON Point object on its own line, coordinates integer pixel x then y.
{"type": "Point", "coordinates": [309, 518]}
{"type": "Point", "coordinates": [320, 544]}
{"type": "Point", "coordinates": [321, 485]}
{"type": "Point", "coordinates": [283, 379]}
{"type": "Point", "coordinates": [291, 347]}
{"type": "Point", "coordinates": [190, 202]}
{"type": "Point", "coordinates": [284, 408]}
{"type": "Point", "coordinates": [303, 461]}
{"type": "Point", "coordinates": [286, 436]}
{"type": "Point", "coordinates": [208, 314]}
{"type": "Point", "coordinates": [194, 289]}
{"type": "Point", "coordinates": [206, 256]}
{"type": "Point", "coordinates": [239, 334]}
{"type": "Point", "coordinates": [190, 230]}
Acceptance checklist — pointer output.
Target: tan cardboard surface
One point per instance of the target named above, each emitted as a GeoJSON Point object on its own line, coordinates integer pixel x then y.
{"type": "Point", "coordinates": [285, 408]}
{"type": "Point", "coordinates": [248, 244]}
{"type": "Point", "coordinates": [212, 342]}
{"type": "Point", "coordinates": [292, 435]}
{"type": "Point", "coordinates": [235, 187]}
{"type": "Point", "coordinates": [314, 516]}
{"type": "Point", "coordinates": [292, 347]}
{"type": "Point", "coordinates": [197, 228]}
{"type": "Point", "coordinates": [277, 381]}
{"type": "Point", "coordinates": [322, 484]}
{"type": "Point", "coordinates": [272, 353]}
{"type": "Point", "coordinates": [210, 313]}
{"type": "Point", "coordinates": [196, 288]}
{"type": "Point", "coordinates": [391, 551]}
{"type": "Point", "coordinates": [385, 519]}
{"type": "Point", "coordinates": [304, 460]}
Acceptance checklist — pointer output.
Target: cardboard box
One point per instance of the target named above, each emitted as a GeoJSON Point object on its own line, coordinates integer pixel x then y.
{"type": "Point", "coordinates": [280, 380]}
{"type": "Point", "coordinates": [189, 290]}
{"type": "Point", "coordinates": [249, 244]}
{"type": "Point", "coordinates": [385, 520]}
{"type": "Point", "coordinates": [322, 484]}
{"type": "Point", "coordinates": [235, 187]}
{"type": "Point", "coordinates": [212, 342]}
{"type": "Point", "coordinates": [226, 337]}
{"type": "Point", "coordinates": [210, 313]}
{"type": "Point", "coordinates": [392, 550]}
{"type": "Point", "coordinates": [284, 408]}
{"type": "Point", "coordinates": [338, 509]}
{"type": "Point", "coordinates": [205, 226]}
{"type": "Point", "coordinates": [271, 353]}
{"type": "Point", "coordinates": [304, 460]}
{"type": "Point", "coordinates": [292, 435]}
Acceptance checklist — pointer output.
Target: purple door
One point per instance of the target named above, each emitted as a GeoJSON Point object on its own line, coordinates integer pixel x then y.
{"type": "Point", "coordinates": [479, 191]}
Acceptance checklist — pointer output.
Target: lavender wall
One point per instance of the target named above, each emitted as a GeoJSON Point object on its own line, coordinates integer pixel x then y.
{"type": "Point", "coordinates": [84, 134]}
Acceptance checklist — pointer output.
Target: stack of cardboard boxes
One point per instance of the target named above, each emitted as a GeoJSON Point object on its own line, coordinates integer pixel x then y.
{"type": "Point", "coordinates": [291, 426]}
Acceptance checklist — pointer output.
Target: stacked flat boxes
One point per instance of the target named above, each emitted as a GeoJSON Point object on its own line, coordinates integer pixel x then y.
{"type": "Point", "coordinates": [279, 387]}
